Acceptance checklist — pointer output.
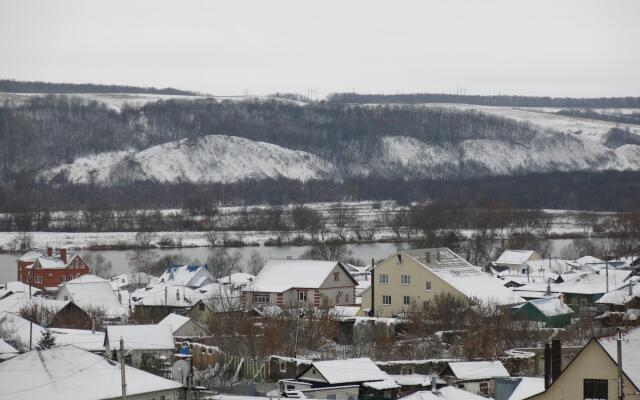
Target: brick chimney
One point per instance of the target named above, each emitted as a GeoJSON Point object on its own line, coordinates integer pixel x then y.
{"type": "Point", "coordinates": [63, 255]}
{"type": "Point", "coordinates": [49, 251]}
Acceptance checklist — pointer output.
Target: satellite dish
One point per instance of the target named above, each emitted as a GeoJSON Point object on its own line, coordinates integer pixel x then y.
{"type": "Point", "coordinates": [180, 371]}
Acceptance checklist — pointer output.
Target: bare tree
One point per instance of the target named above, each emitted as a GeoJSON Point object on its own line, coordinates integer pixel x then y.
{"type": "Point", "coordinates": [255, 263]}
{"type": "Point", "coordinates": [100, 266]}
{"type": "Point", "coordinates": [222, 263]}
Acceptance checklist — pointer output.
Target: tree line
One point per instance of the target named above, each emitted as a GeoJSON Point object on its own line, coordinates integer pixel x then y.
{"type": "Point", "coordinates": [13, 86]}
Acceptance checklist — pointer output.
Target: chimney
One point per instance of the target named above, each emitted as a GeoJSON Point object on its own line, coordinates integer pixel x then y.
{"type": "Point", "coordinates": [49, 251]}
{"type": "Point", "coordinates": [63, 255]}
{"type": "Point", "coordinates": [547, 366]}
{"type": "Point", "coordinates": [549, 286]}
{"type": "Point", "coordinates": [556, 359]}
{"type": "Point", "coordinates": [438, 255]}
{"type": "Point", "coordinates": [427, 257]}
{"type": "Point", "coordinates": [373, 293]}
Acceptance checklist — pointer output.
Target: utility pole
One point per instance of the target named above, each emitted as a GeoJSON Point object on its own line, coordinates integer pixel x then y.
{"type": "Point", "coordinates": [30, 322]}
{"type": "Point", "coordinates": [122, 372]}
{"type": "Point", "coordinates": [620, 376]}
{"type": "Point", "coordinates": [606, 266]}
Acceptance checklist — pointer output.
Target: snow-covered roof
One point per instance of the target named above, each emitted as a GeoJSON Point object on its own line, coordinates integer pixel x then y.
{"type": "Point", "coordinates": [469, 280]}
{"type": "Point", "coordinates": [527, 387]}
{"type": "Point", "coordinates": [6, 350]}
{"type": "Point", "coordinates": [350, 371]}
{"type": "Point", "coordinates": [281, 275]}
{"type": "Point", "coordinates": [237, 279]}
{"type": "Point", "coordinates": [551, 306]}
{"type": "Point", "coordinates": [583, 283]}
{"type": "Point", "coordinates": [187, 275]}
{"type": "Point", "coordinates": [47, 262]}
{"type": "Point", "coordinates": [15, 302]}
{"type": "Point", "coordinates": [175, 321]}
{"type": "Point", "coordinates": [130, 278]}
{"type": "Point", "coordinates": [16, 286]}
{"type": "Point", "coordinates": [141, 337]}
{"type": "Point", "coordinates": [386, 384]}
{"type": "Point", "coordinates": [344, 311]}
{"type": "Point", "coordinates": [551, 267]}
{"type": "Point", "coordinates": [472, 370]}
{"type": "Point", "coordinates": [515, 257]}
{"type": "Point", "coordinates": [415, 380]}
{"type": "Point", "coordinates": [90, 292]}
{"type": "Point", "coordinates": [588, 260]}
{"type": "Point", "coordinates": [444, 393]}
{"type": "Point", "coordinates": [630, 353]}
{"type": "Point", "coordinates": [31, 255]}
{"type": "Point", "coordinates": [70, 373]}
{"type": "Point", "coordinates": [19, 329]}
{"type": "Point", "coordinates": [176, 296]}
{"type": "Point", "coordinates": [621, 296]}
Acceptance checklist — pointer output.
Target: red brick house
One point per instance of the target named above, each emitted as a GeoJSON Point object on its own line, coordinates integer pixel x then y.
{"type": "Point", "coordinates": [48, 271]}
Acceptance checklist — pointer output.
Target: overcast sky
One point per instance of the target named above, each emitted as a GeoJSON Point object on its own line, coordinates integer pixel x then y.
{"type": "Point", "coordinates": [533, 47]}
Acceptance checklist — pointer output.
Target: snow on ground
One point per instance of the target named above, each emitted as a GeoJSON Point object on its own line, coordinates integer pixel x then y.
{"type": "Point", "coordinates": [545, 118]}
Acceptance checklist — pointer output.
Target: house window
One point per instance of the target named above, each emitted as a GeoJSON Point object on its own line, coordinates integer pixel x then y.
{"type": "Point", "coordinates": [427, 286]}
{"type": "Point", "coordinates": [331, 397]}
{"type": "Point", "coordinates": [260, 298]}
{"type": "Point", "coordinates": [283, 369]}
{"type": "Point", "coordinates": [407, 371]}
{"type": "Point", "coordinates": [201, 306]}
{"type": "Point", "coordinates": [405, 279]}
{"type": "Point", "coordinates": [70, 278]}
{"type": "Point", "coordinates": [336, 276]}
{"type": "Point", "coordinates": [384, 279]}
{"type": "Point", "coordinates": [66, 298]}
{"type": "Point", "coordinates": [386, 300]}
{"type": "Point", "coordinates": [38, 278]}
{"type": "Point", "coordinates": [406, 300]}
{"type": "Point", "coordinates": [596, 389]}
{"type": "Point", "coordinates": [484, 388]}
{"type": "Point", "coordinates": [62, 278]}
{"type": "Point", "coordinates": [524, 271]}
{"type": "Point", "coordinates": [302, 296]}
{"type": "Point", "coordinates": [583, 302]}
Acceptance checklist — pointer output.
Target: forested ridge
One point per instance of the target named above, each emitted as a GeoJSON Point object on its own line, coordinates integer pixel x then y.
{"type": "Point", "coordinates": [13, 86]}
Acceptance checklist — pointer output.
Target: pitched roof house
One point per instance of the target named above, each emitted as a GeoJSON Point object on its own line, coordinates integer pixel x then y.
{"type": "Point", "coordinates": [50, 270]}
{"type": "Point", "coordinates": [192, 276]}
{"type": "Point", "coordinates": [475, 376]}
{"type": "Point", "coordinates": [183, 326]}
{"type": "Point", "coordinates": [516, 259]}
{"type": "Point", "coordinates": [413, 276]}
{"type": "Point", "coordinates": [141, 342]}
{"type": "Point", "coordinates": [295, 282]}
{"type": "Point", "coordinates": [70, 373]}
{"type": "Point", "coordinates": [93, 294]}
{"type": "Point", "coordinates": [593, 373]}
{"type": "Point", "coordinates": [551, 310]}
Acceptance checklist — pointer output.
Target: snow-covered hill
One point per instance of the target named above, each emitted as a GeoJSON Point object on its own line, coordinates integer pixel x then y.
{"type": "Point", "coordinates": [220, 158]}
{"type": "Point", "coordinates": [214, 158]}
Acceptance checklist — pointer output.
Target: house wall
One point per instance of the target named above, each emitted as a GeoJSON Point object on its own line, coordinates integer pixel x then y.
{"type": "Point", "coordinates": [340, 393]}
{"type": "Point", "coordinates": [416, 290]}
{"type": "Point", "coordinates": [592, 363]}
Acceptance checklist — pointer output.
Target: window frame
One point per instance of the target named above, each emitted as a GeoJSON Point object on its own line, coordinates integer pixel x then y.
{"type": "Point", "coordinates": [383, 279]}
{"type": "Point", "coordinates": [257, 296]}
{"type": "Point", "coordinates": [405, 280]}
{"type": "Point", "coordinates": [386, 297]}
{"type": "Point", "coordinates": [336, 276]}
{"type": "Point", "coordinates": [406, 300]}
{"type": "Point", "coordinates": [594, 395]}
{"type": "Point", "coordinates": [302, 296]}
{"type": "Point", "coordinates": [427, 286]}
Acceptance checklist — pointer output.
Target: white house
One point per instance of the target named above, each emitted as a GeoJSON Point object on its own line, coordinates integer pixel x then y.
{"type": "Point", "coordinates": [300, 282]}
{"type": "Point", "coordinates": [516, 260]}
{"type": "Point", "coordinates": [183, 326]}
{"type": "Point", "coordinates": [70, 373]}
{"type": "Point", "coordinates": [142, 343]}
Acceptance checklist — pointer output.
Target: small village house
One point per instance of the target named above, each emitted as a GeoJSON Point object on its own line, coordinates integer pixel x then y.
{"type": "Point", "coordinates": [594, 374]}
{"type": "Point", "coordinates": [191, 276]}
{"type": "Point", "coordinates": [516, 260]}
{"type": "Point", "coordinates": [550, 310]}
{"type": "Point", "coordinates": [144, 344]}
{"type": "Point", "coordinates": [476, 377]}
{"type": "Point", "coordinates": [153, 303]}
{"type": "Point", "coordinates": [349, 379]}
{"type": "Point", "coordinates": [415, 276]}
{"type": "Point", "coordinates": [299, 283]}
{"type": "Point", "coordinates": [48, 271]}
{"type": "Point", "coordinates": [95, 296]}
{"type": "Point", "coordinates": [183, 326]}
{"type": "Point", "coordinates": [70, 373]}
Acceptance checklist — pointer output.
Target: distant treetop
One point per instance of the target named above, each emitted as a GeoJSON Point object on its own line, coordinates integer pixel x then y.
{"type": "Point", "coordinates": [496, 100]}
{"type": "Point", "coordinates": [13, 86]}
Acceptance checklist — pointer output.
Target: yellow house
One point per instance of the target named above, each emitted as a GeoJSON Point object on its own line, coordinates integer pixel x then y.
{"type": "Point", "coordinates": [593, 373]}
{"type": "Point", "coordinates": [414, 276]}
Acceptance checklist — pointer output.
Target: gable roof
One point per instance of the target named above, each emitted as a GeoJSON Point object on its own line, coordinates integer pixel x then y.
{"type": "Point", "coordinates": [90, 292]}
{"type": "Point", "coordinates": [528, 386]}
{"type": "Point", "coordinates": [70, 373]}
{"type": "Point", "coordinates": [515, 256]}
{"type": "Point", "coordinates": [630, 353]}
{"type": "Point", "coordinates": [281, 275]}
{"type": "Point", "coordinates": [19, 328]}
{"type": "Point", "coordinates": [165, 294]}
{"type": "Point", "coordinates": [187, 275]}
{"type": "Point", "coordinates": [471, 281]}
{"type": "Point", "coordinates": [590, 283]}
{"type": "Point", "coordinates": [550, 306]}
{"type": "Point", "coordinates": [175, 321]}
{"type": "Point", "coordinates": [140, 337]}
{"type": "Point", "coordinates": [348, 371]}
{"type": "Point", "coordinates": [621, 296]}
{"type": "Point", "coordinates": [472, 370]}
